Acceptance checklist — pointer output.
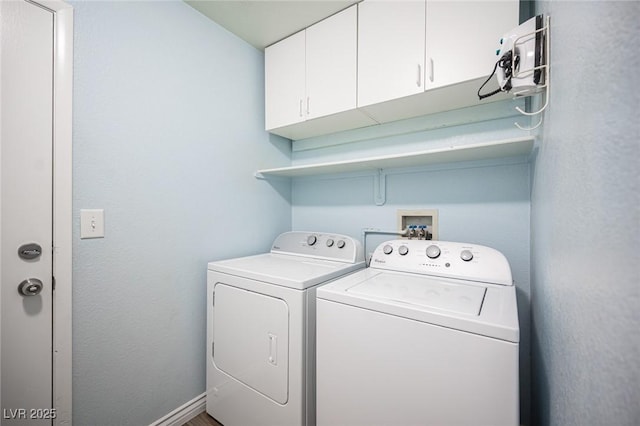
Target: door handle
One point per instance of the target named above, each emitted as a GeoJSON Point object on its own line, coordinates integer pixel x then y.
{"type": "Point", "coordinates": [273, 349]}
{"type": "Point", "coordinates": [29, 251]}
{"type": "Point", "coordinates": [30, 287]}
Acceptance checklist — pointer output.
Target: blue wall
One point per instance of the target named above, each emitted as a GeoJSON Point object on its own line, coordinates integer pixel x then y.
{"type": "Point", "coordinates": [482, 202]}
{"type": "Point", "coordinates": [168, 130]}
{"type": "Point", "coordinates": [585, 221]}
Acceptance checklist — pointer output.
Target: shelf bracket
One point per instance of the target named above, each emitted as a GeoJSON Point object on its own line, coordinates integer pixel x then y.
{"type": "Point", "coordinates": [380, 188]}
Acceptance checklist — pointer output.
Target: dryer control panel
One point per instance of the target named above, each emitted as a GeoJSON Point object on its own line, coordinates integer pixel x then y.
{"type": "Point", "coordinates": [444, 259]}
{"type": "Point", "coordinates": [319, 245]}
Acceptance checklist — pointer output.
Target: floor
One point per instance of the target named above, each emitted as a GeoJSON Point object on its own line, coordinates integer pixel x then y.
{"type": "Point", "coordinates": [203, 419]}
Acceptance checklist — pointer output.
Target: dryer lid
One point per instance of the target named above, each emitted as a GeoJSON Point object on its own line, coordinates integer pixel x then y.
{"type": "Point", "coordinates": [286, 270]}
{"type": "Point", "coordinates": [425, 292]}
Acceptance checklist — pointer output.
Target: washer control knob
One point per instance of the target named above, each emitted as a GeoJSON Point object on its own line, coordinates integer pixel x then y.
{"type": "Point", "coordinates": [433, 252]}
{"type": "Point", "coordinates": [403, 250]}
{"type": "Point", "coordinates": [387, 249]}
{"type": "Point", "coordinates": [466, 255]}
{"type": "Point", "coordinates": [341, 243]}
{"type": "Point", "coordinates": [329, 242]}
{"type": "Point", "coordinates": [311, 239]}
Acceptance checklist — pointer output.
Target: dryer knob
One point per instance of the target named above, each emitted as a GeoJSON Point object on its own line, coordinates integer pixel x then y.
{"type": "Point", "coordinates": [466, 255]}
{"type": "Point", "coordinates": [387, 249]}
{"type": "Point", "coordinates": [311, 240]}
{"type": "Point", "coordinates": [403, 250]}
{"type": "Point", "coordinates": [329, 242]}
{"type": "Point", "coordinates": [341, 243]}
{"type": "Point", "coordinates": [433, 252]}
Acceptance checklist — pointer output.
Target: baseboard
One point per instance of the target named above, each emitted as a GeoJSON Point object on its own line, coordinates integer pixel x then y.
{"type": "Point", "coordinates": [184, 413]}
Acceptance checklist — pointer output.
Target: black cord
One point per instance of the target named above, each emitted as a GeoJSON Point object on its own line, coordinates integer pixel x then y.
{"type": "Point", "coordinates": [486, 95]}
{"type": "Point", "coordinates": [505, 63]}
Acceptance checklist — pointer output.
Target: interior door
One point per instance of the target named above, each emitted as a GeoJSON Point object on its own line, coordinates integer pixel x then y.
{"type": "Point", "coordinates": [26, 126]}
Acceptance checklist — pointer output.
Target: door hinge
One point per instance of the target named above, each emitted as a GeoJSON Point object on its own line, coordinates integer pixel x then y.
{"type": "Point", "coordinates": [53, 283]}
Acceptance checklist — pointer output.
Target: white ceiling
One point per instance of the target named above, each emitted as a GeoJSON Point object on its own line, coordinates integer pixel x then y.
{"type": "Point", "coordinates": [263, 22]}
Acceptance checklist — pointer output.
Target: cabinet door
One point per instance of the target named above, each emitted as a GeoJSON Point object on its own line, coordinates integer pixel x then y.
{"type": "Point", "coordinates": [285, 81]}
{"type": "Point", "coordinates": [462, 37]}
{"type": "Point", "coordinates": [391, 47]}
{"type": "Point", "coordinates": [331, 59]}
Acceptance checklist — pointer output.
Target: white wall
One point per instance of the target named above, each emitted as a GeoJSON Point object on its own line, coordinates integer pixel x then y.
{"type": "Point", "coordinates": [168, 130]}
{"type": "Point", "coordinates": [585, 221]}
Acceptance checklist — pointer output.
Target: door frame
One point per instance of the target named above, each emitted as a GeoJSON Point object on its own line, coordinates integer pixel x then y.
{"type": "Point", "coordinates": [62, 206]}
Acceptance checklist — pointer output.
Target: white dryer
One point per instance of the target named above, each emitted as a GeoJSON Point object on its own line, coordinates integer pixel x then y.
{"type": "Point", "coordinates": [261, 328]}
{"type": "Point", "coordinates": [428, 335]}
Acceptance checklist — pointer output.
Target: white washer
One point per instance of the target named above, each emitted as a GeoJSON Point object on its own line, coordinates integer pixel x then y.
{"type": "Point", "coordinates": [428, 335]}
{"type": "Point", "coordinates": [261, 328]}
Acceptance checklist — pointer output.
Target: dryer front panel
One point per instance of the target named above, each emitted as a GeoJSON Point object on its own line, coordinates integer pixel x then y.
{"type": "Point", "coordinates": [251, 340]}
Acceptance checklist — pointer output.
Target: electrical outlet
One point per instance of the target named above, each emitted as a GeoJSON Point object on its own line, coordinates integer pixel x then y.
{"type": "Point", "coordinates": [91, 223]}
{"type": "Point", "coordinates": [428, 218]}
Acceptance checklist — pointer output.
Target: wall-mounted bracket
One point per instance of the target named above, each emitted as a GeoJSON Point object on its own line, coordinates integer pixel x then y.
{"type": "Point", "coordinates": [380, 188]}
{"type": "Point", "coordinates": [542, 89]}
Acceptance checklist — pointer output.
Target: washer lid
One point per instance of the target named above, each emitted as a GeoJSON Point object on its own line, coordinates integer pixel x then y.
{"type": "Point", "coordinates": [425, 292]}
{"type": "Point", "coordinates": [297, 272]}
{"type": "Point", "coordinates": [486, 309]}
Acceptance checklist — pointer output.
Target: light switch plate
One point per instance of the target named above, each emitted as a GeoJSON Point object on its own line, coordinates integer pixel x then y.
{"type": "Point", "coordinates": [91, 223]}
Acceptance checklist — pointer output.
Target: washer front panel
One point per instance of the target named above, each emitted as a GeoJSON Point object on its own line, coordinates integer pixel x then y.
{"type": "Point", "coordinates": [375, 369]}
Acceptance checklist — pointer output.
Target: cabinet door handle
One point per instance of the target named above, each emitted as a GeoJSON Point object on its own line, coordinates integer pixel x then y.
{"type": "Point", "coordinates": [307, 105]}
{"type": "Point", "coordinates": [431, 69]}
{"type": "Point", "coordinates": [419, 79]}
{"type": "Point", "coordinates": [300, 107]}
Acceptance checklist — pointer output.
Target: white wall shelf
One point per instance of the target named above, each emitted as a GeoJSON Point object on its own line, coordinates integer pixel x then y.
{"type": "Point", "coordinates": [514, 147]}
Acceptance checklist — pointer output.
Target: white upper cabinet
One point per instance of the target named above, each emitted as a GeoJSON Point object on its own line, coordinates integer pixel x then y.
{"type": "Point", "coordinates": [460, 37]}
{"type": "Point", "coordinates": [391, 49]}
{"type": "Point", "coordinates": [331, 64]}
{"type": "Point", "coordinates": [384, 60]}
{"type": "Point", "coordinates": [459, 44]}
{"type": "Point", "coordinates": [312, 73]}
{"type": "Point", "coordinates": [285, 81]}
